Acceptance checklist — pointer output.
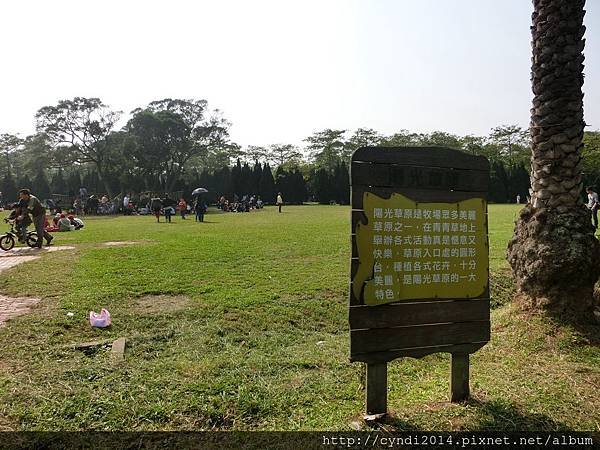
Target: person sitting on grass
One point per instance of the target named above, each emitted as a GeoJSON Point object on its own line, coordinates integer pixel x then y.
{"type": "Point", "coordinates": [64, 224]}
{"type": "Point", "coordinates": [51, 227]}
{"type": "Point", "coordinates": [76, 222]}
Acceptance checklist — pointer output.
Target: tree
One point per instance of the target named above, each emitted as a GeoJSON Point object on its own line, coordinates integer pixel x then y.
{"type": "Point", "coordinates": [554, 254]}
{"type": "Point", "coordinates": [40, 185]}
{"type": "Point", "coordinates": [9, 144]}
{"type": "Point", "coordinates": [322, 187]}
{"type": "Point", "coordinates": [246, 180]}
{"type": "Point", "coordinates": [282, 153]}
{"type": "Point", "coordinates": [267, 185]}
{"type": "Point", "coordinates": [364, 137]}
{"type": "Point", "coordinates": [511, 141]}
{"type": "Point", "coordinates": [591, 159]}
{"type": "Point", "coordinates": [342, 184]}
{"type": "Point", "coordinates": [74, 182]}
{"type": "Point", "coordinates": [236, 178]}
{"type": "Point", "coordinates": [256, 153]}
{"type": "Point", "coordinates": [8, 187]}
{"type": "Point", "coordinates": [403, 138]}
{"type": "Point", "coordinates": [498, 183]}
{"type": "Point", "coordinates": [441, 139]}
{"type": "Point", "coordinates": [36, 153]}
{"type": "Point", "coordinates": [173, 132]}
{"type": "Point", "coordinates": [58, 184]}
{"type": "Point", "coordinates": [81, 126]}
{"type": "Point", "coordinates": [255, 178]}
{"type": "Point", "coordinates": [154, 135]}
{"type": "Point", "coordinates": [300, 186]}
{"type": "Point", "coordinates": [328, 148]}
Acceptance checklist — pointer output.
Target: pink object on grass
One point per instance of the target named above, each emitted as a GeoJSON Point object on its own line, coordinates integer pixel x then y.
{"type": "Point", "coordinates": [101, 320]}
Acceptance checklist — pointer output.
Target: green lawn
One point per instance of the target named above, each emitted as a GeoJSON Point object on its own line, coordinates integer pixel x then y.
{"type": "Point", "coordinates": [241, 323]}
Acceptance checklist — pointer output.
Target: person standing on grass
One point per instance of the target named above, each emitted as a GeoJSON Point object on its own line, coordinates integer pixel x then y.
{"type": "Point", "coordinates": [593, 204]}
{"type": "Point", "coordinates": [200, 209]}
{"type": "Point", "coordinates": [168, 207]}
{"type": "Point", "coordinates": [279, 201]}
{"type": "Point", "coordinates": [38, 214]}
{"type": "Point", "coordinates": [182, 207]}
{"type": "Point", "coordinates": [156, 205]}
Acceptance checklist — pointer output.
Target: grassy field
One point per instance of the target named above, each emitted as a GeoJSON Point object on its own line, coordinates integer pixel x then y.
{"type": "Point", "coordinates": [241, 323]}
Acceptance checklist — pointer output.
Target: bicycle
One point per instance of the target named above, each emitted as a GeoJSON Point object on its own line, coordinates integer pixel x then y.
{"type": "Point", "coordinates": [8, 239]}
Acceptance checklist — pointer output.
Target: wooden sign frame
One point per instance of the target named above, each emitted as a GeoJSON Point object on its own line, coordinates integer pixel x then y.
{"type": "Point", "coordinates": [416, 328]}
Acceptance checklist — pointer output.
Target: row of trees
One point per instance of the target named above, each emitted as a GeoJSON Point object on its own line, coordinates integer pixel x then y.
{"type": "Point", "coordinates": [177, 145]}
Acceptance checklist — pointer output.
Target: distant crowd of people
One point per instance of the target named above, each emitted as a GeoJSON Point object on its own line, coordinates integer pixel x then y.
{"type": "Point", "coordinates": [66, 215]}
{"type": "Point", "coordinates": [169, 208]}
{"type": "Point", "coordinates": [245, 204]}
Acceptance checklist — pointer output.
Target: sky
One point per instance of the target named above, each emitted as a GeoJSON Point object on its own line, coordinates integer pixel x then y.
{"type": "Point", "coordinates": [280, 70]}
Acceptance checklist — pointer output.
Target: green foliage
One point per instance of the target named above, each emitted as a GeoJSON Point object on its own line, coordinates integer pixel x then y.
{"type": "Point", "coordinates": [58, 185]}
{"type": "Point", "coordinates": [40, 185]}
{"type": "Point", "coordinates": [328, 148]}
{"type": "Point", "coordinates": [292, 185]}
{"type": "Point", "coordinates": [591, 158]}
{"type": "Point", "coordinates": [169, 133]}
{"type": "Point", "coordinates": [79, 128]}
{"type": "Point", "coordinates": [266, 185]}
{"type": "Point", "coordinates": [282, 154]}
{"type": "Point", "coordinates": [364, 137]}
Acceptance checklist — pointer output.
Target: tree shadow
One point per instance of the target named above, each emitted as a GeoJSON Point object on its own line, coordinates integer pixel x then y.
{"type": "Point", "coordinates": [588, 333]}
{"type": "Point", "coordinates": [498, 415]}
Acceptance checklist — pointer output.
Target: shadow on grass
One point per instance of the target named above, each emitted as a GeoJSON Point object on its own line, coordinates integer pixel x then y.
{"type": "Point", "coordinates": [587, 333]}
{"type": "Point", "coordinates": [497, 415]}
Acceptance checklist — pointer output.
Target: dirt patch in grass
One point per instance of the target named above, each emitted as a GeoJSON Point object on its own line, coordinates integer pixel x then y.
{"type": "Point", "coordinates": [119, 243]}
{"type": "Point", "coordinates": [11, 307]}
{"type": "Point", "coordinates": [158, 304]}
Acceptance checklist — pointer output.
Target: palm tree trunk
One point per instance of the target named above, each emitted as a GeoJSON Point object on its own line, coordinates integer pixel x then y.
{"type": "Point", "coordinates": [554, 254]}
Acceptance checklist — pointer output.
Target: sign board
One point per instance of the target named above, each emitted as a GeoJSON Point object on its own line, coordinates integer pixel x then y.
{"type": "Point", "coordinates": [419, 269]}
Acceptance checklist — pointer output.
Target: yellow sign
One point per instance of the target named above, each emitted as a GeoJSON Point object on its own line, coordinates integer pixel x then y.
{"type": "Point", "coordinates": [409, 250]}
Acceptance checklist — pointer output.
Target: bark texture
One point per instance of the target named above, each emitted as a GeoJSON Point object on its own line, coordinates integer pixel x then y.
{"type": "Point", "coordinates": [554, 254]}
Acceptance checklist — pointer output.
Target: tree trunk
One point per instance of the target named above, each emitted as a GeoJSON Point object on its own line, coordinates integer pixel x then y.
{"type": "Point", "coordinates": [554, 254]}
{"type": "Point", "coordinates": [105, 182]}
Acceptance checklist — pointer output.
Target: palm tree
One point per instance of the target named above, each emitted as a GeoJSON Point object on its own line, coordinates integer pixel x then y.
{"type": "Point", "coordinates": [554, 254]}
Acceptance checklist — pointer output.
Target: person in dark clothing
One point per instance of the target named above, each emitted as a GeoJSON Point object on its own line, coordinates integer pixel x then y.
{"type": "Point", "coordinates": [200, 210]}
{"type": "Point", "coordinates": [38, 214]}
{"type": "Point", "coordinates": [92, 205]}
{"type": "Point", "coordinates": [156, 206]}
{"type": "Point", "coordinates": [168, 205]}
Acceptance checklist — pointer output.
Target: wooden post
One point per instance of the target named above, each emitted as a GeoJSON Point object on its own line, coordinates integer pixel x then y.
{"type": "Point", "coordinates": [459, 381]}
{"type": "Point", "coordinates": [376, 389]}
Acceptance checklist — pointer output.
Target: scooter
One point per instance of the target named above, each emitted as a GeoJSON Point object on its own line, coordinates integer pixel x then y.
{"type": "Point", "coordinates": [8, 239]}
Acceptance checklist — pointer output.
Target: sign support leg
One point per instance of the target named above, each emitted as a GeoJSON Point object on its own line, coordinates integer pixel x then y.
{"type": "Point", "coordinates": [459, 382]}
{"type": "Point", "coordinates": [376, 389]}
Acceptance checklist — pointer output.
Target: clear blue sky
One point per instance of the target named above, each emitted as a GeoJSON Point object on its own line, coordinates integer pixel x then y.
{"type": "Point", "coordinates": [280, 70]}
